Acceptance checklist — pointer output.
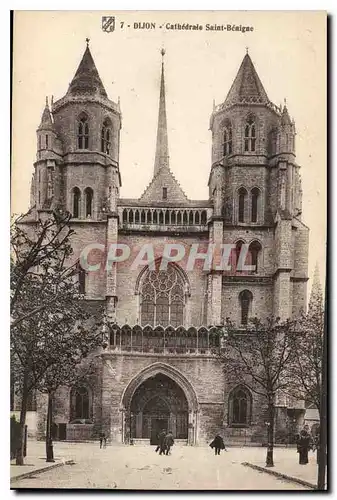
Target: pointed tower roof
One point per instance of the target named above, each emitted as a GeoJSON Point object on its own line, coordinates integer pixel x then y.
{"type": "Point", "coordinates": [162, 154]}
{"type": "Point", "coordinates": [247, 87]}
{"type": "Point", "coordinates": [87, 79]}
{"type": "Point", "coordinates": [46, 121]}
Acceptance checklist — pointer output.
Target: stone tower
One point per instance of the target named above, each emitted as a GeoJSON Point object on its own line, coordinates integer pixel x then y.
{"type": "Point", "coordinates": [255, 187]}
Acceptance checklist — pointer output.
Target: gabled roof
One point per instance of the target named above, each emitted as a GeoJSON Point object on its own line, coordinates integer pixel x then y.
{"type": "Point", "coordinates": [247, 86]}
{"type": "Point", "coordinates": [164, 178]}
{"type": "Point", "coordinates": [87, 79]}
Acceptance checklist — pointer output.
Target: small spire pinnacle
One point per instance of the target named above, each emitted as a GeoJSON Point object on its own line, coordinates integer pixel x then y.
{"type": "Point", "coordinates": [247, 49]}
{"type": "Point", "coordinates": [285, 102]}
{"type": "Point", "coordinates": [52, 100]}
{"type": "Point", "coordinates": [162, 53]}
{"type": "Point", "coordinates": [87, 40]}
{"type": "Point", "coordinates": [46, 120]}
{"type": "Point", "coordinates": [213, 104]}
{"type": "Point", "coordinates": [316, 296]}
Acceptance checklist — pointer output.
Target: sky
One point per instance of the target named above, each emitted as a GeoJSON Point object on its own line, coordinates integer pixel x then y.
{"type": "Point", "coordinates": [288, 50]}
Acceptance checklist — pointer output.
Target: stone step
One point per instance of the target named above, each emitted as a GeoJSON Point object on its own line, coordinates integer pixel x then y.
{"type": "Point", "coordinates": [146, 442]}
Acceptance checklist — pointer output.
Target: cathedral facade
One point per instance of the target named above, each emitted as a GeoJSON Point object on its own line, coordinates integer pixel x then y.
{"type": "Point", "coordinates": [159, 367]}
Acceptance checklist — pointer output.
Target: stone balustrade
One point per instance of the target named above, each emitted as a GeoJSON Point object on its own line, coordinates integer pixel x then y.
{"type": "Point", "coordinates": [139, 216]}
{"type": "Point", "coordinates": [167, 340]}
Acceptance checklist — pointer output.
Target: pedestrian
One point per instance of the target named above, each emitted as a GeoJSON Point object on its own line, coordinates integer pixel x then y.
{"type": "Point", "coordinates": [218, 444]}
{"type": "Point", "coordinates": [161, 437]}
{"type": "Point", "coordinates": [102, 440]}
{"type": "Point", "coordinates": [168, 442]}
{"type": "Point", "coordinates": [316, 443]}
{"type": "Point", "coordinates": [303, 446]}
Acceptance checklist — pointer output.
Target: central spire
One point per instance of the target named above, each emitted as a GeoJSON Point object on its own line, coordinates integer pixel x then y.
{"type": "Point", "coordinates": [162, 155]}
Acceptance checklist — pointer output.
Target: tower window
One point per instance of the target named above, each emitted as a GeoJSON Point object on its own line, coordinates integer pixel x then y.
{"type": "Point", "coordinates": [164, 193]}
{"type": "Point", "coordinates": [253, 252]}
{"type": "Point", "coordinates": [47, 141]}
{"type": "Point", "coordinates": [106, 137]}
{"type": "Point", "coordinates": [76, 203]}
{"type": "Point", "coordinates": [227, 140]}
{"type": "Point", "coordinates": [39, 142]}
{"type": "Point", "coordinates": [242, 204]}
{"type": "Point", "coordinates": [50, 183]}
{"type": "Point", "coordinates": [89, 195]}
{"type": "Point", "coordinates": [236, 256]}
{"type": "Point", "coordinates": [83, 133]}
{"type": "Point", "coordinates": [250, 135]}
{"type": "Point", "coordinates": [245, 298]}
{"type": "Point", "coordinates": [255, 201]}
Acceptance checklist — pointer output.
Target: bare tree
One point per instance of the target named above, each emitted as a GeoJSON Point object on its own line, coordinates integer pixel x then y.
{"type": "Point", "coordinates": [72, 368]}
{"type": "Point", "coordinates": [259, 357]}
{"type": "Point", "coordinates": [306, 369]}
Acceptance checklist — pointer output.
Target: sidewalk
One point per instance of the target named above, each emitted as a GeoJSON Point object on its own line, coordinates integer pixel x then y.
{"type": "Point", "coordinates": [35, 461]}
{"type": "Point", "coordinates": [289, 468]}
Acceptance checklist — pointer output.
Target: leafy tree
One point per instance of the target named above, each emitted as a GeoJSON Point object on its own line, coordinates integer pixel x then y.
{"type": "Point", "coordinates": [44, 241]}
{"type": "Point", "coordinates": [259, 358]}
{"type": "Point", "coordinates": [51, 321]}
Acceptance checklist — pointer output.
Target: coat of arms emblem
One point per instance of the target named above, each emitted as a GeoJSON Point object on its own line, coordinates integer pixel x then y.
{"type": "Point", "coordinates": [108, 23]}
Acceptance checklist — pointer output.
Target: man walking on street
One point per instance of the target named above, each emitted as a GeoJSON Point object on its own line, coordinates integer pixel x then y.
{"type": "Point", "coordinates": [218, 444]}
{"type": "Point", "coordinates": [161, 438]}
{"type": "Point", "coordinates": [168, 442]}
{"type": "Point", "coordinates": [102, 440]}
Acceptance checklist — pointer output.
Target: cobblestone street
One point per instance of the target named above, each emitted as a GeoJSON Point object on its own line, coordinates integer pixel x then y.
{"type": "Point", "coordinates": [139, 467]}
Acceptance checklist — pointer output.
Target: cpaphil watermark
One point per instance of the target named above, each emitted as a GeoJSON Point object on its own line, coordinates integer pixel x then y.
{"type": "Point", "coordinates": [218, 257]}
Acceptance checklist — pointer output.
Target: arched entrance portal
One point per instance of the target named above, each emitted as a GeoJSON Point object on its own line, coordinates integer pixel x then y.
{"type": "Point", "coordinates": [158, 403]}
{"type": "Point", "coordinates": [159, 396]}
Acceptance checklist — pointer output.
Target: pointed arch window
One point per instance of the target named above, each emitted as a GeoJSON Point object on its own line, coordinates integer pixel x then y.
{"type": "Point", "coordinates": [236, 256]}
{"type": "Point", "coordinates": [80, 401]}
{"type": "Point", "coordinates": [253, 252]}
{"type": "Point", "coordinates": [255, 198]}
{"type": "Point", "coordinates": [89, 196]}
{"type": "Point", "coordinates": [242, 204]}
{"type": "Point", "coordinates": [83, 133]}
{"type": "Point", "coordinates": [240, 407]}
{"type": "Point", "coordinates": [245, 298]}
{"type": "Point", "coordinates": [250, 134]}
{"type": "Point", "coordinates": [76, 202]}
{"type": "Point", "coordinates": [163, 297]}
{"type": "Point", "coordinates": [106, 137]}
{"type": "Point", "coordinates": [227, 140]}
